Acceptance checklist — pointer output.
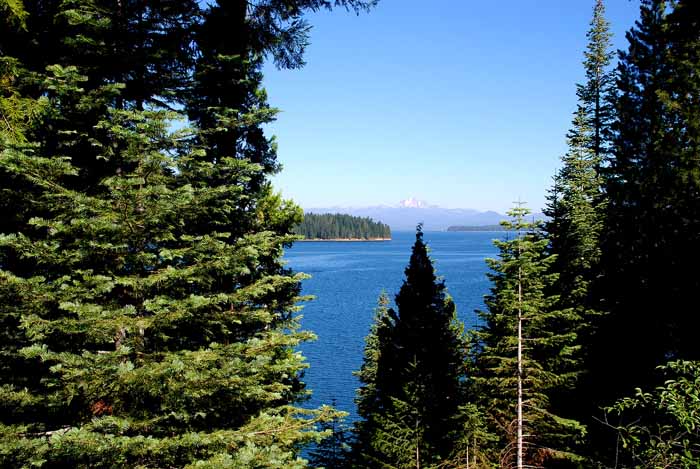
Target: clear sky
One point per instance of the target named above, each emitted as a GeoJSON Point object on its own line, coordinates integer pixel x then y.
{"type": "Point", "coordinates": [461, 103]}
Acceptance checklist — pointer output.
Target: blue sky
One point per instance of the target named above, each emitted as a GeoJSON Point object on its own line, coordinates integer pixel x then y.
{"type": "Point", "coordinates": [461, 103]}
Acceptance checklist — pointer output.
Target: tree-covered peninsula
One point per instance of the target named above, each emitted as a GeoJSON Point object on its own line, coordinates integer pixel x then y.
{"type": "Point", "coordinates": [338, 226]}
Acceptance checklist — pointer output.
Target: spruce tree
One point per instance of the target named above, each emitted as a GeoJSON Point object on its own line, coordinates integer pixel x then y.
{"type": "Point", "coordinates": [413, 374]}
{"type": "Point", "coordinates": [147, 318]}
{"type": "Point", "coordinates": [520, 350]}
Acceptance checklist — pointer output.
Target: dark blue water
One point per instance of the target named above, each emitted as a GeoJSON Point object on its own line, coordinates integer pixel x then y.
{"type": "Point", "coordinates": [347, 278]}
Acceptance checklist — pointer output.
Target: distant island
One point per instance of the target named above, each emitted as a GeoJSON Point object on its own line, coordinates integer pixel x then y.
{"type": "Point", "coordinates": [341, 227]}
{"type": "Point", "coordinates": [476, 228]}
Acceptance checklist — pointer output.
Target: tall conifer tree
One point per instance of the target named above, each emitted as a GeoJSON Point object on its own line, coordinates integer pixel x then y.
{"type": "Point", "coordinates": [413, 375]}
{"type": "Point", "coordinates": [653, 217]}
{"type": "Point", "coordinates": [522, 315]}
{"type": "Point", "coordinates": [147, 317]}
{"type": "Point", "coordinates": [576, 200]}
{"type": "Point", "coordinates": [576, 210]}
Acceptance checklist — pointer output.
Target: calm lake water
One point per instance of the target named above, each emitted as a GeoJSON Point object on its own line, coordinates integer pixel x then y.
{"type": "Point", "coordinates": [347, 278]}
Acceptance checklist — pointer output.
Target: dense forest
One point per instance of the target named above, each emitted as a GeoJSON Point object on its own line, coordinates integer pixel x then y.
{"type": "Point", "coordinates": [341, 226]}
{"type": "Point", "coordinates": [147, 317]}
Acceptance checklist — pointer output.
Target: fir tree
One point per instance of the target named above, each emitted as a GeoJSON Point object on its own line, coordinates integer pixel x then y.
{"type": "Point", "coordinates": [333, 452]}
{"type": "Point", "coordinates": [368, 398]}
{"type": "Point", "coordinates": [520, 352]}
{"type": "Point", "coordinates": [412, 376]}
{"type": "Point", "coordinates": [653, 218]}
{"type": "Point", "coordinates": [596, 95]}
{"type": "Point", "coordinates": [576, 212]}
{"type": "Point", "coordinates": [576, 201]}
{"type": "Point", "coordinates": [147, 317]}
{"type": "Point", "coordinates": [149, 357]}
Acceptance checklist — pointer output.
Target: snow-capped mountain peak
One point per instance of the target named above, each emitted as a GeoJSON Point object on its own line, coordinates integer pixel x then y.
{"type": "Point", "coordinates": [412, 202]}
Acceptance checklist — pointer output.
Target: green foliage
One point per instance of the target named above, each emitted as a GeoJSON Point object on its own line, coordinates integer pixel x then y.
{"type": "Point", "coordinates": [596, 95]}
{"type": "Point", "coordinates": [412, 375]}
{"type": "Point", "coordinates": [18, 114]}
{"type": "Point", "coordinates": [576, 201]}
{"type": "Point", "coordinates": [665, 424]}
{"type": "Point", "coordinates": [148, 358]}
{"type": "Point", "coordinates": [522, 282]}
{"type": "Point", "coordinates": [147, 318]}
{"type": "Point", "coordinates": [341, 226]}
{"type": "Point", "coordinates": [576, 209]}
{"type": "Point", "coordinates": [652, 234]}
{"type": "Point", "coordinates": [14, 13]}
{"type": "Point", "coordinates": [334, 450]}
{"type": "Point", "coordinates": [399, 438]}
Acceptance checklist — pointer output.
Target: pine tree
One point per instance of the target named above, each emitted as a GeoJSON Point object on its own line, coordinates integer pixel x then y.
{"type": "Point", "coordinates": [147, 317]}
{"type": "Point", "coordinates": [653, 216]}
{"type": "Point", "coordinates": [400, 438]}
{"type": "Point", "coordinates": [412, 376]}
{"type": "Point", "coordinates": [576, 206]}
{"type": "Point", "coordinates": [520, 352]}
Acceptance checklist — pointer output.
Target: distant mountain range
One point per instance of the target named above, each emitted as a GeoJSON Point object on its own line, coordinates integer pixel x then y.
{"type": "Point", "coordinates": [409, 212]}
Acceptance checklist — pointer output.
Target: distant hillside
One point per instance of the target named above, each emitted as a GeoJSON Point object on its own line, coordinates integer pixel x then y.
{"type": "Point", "coordinates": [341, 226]}
{"type": "Point", "coordinates": [407, 217]}
{"type": "Point", "coordinates": [476, 228]}
{"type": "Point", "coordinates": [409, 212]}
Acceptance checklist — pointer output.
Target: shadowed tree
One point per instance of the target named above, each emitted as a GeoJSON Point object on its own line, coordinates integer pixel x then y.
{"type": "Point", "coordinates": [576, 214]}
{"type": "Point", "coordinates": [413, 374]}
{"type": "Point", "coordinates": [652, 235]}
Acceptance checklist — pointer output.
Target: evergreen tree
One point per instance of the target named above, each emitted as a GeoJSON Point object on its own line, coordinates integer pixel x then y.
{"type": "Point", "coordinates": [148, 355]}
{"type": "Point", "coordinates": [333, 452]}
{"type": "Point", "coordinates": [596, 95]}
{"type": "Point", "coordinates": [147, 319]}
{"type": "Point", "coordinates": [652, 230]}
{"type": "Point", "coordinates": [521, 351]}
{"type": "Point", "coordinates": [576, 202]}
{"type": "Point", "coordinates": [412, 377]}
{"type": "Point", "coordinates": [576, 212]}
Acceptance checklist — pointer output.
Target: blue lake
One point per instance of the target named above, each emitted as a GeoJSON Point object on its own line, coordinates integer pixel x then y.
{"type": "Point", "coordinates": [347, 278]}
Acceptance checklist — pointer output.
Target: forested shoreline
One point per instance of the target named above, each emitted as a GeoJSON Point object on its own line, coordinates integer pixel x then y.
{"type": "Point", "coordinates": [148, 318]}
{"type": "Point", "coordinates": [338, 226]}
